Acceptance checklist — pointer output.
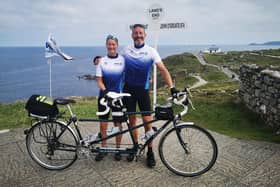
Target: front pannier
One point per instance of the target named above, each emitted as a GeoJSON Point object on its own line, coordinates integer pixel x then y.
{"type": "Point", "coordinates": [41, 106]}
{"type": "Point", "coordinates": [164, 112]}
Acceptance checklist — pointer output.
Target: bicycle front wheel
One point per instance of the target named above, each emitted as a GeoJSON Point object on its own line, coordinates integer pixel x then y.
{"type": "Point", "coordinates": [52, 145]}
{"type": "Point", "coordinates": [188, 150]}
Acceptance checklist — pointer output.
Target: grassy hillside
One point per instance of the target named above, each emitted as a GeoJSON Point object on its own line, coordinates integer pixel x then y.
{"type": "Point", "coordinates": [182, 66]}
{"type": "Point", "coordinates": [217, 104]}
{"type": "Point", "coordinates": [235, 59]}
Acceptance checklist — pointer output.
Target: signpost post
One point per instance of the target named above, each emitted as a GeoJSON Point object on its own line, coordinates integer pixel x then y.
{"type": "Point", "coordinates": [155, 14]}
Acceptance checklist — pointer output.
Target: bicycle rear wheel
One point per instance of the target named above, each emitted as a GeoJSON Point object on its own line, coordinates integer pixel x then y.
{"type": "Point", "coordinates": [52, 145]}
{"type": "Point", "coordinates": [188, 150]}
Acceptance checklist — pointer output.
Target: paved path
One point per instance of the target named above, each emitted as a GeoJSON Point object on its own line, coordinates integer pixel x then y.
{"type": "Point", "coordinates": [200, 82]}
{"type": "Point", "coordinates": [272, 56]}
{"type": "Point", "coordinates": [239, 163]}
{"type": "Point", "coordinates": [227, 71]}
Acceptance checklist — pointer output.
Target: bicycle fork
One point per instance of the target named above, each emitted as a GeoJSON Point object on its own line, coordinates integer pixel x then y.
{"type": "Point", "coordinates": [181, 141]}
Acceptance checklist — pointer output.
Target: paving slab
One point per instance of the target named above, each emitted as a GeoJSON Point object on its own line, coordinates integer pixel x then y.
{"type": "Point", "coordinates": [239, 163]}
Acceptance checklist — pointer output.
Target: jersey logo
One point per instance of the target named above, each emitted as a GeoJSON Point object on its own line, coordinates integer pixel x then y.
{"type": "Point", "coordinates": [136, 55]}
{"type": "Point", "coordinates": [118, 63]}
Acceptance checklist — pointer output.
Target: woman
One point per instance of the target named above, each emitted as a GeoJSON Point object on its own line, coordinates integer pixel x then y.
{"type": "Point", "coordinates": [109, 76]}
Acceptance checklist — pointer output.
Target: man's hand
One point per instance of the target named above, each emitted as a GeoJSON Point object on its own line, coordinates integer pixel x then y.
{"type": "Point", "coordinates": [174, 92]}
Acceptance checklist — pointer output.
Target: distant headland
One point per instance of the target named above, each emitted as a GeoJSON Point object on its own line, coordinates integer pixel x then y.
{"type": "Point", "coordinates": [267, 43]}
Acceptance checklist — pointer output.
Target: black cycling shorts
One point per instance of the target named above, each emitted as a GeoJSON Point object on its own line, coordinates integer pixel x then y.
{"type": "Point", "coordinates": [140, 96]}
{"type": "Point", "coordinates": [117, 113]}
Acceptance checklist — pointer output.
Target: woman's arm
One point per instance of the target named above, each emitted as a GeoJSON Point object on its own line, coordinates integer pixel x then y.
{"type": "Point", "coordinates": [100, 83]}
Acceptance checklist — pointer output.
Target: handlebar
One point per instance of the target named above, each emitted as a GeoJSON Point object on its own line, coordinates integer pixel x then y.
{"type": "Point", "coordinates": [181, 98]}
{"type": "Point", "coordinates": [114, 99]}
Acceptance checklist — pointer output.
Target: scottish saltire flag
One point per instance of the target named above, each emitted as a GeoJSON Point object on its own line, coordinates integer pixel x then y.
{"type": "Point", "coordinates": [52, 49]}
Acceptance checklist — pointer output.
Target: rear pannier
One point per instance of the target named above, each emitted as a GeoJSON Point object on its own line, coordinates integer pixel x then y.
{"type": "Point", "coordinates": [41, 106]}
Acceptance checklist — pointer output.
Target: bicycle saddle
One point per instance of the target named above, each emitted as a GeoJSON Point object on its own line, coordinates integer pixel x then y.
{"type": "Point", "coordinates": [62, 101]}
{"type": "Point", "coordinates": [115, 95]}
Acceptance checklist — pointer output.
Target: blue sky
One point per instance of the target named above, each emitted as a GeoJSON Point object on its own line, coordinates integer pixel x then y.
{"type": "Point", "coordinates": [88, 22]}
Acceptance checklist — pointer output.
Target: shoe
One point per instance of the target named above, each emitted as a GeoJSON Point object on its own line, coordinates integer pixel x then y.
{"type": "Point", "coordinates": [130, 157]}
{"type": "Point", "coordinates": [151, 162]}
{"type": "Point", "coordinates": [118, 156]}
{"type": "Point", "coordinates": [99, 156]}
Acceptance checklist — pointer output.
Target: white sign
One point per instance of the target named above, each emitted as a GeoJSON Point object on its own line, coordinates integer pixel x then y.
{"type": "Point", "coordinates": [177, 25]}
{"type": "Point", "coordinates": [155, 13]}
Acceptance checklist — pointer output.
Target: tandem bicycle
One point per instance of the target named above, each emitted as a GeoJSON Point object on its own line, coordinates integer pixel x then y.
{"type": "Point", "coordinates": [184, 148]}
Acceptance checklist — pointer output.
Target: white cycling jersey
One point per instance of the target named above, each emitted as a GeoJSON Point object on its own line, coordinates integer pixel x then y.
{"type": "Point", "coordinates": [111, 69]}
{"type": "Point", "coordinates": [138, 65]}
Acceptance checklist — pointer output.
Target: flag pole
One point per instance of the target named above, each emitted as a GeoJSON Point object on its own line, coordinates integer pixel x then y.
{"type": "Point", "coordinates": [51, 50]}
{"type": "Point", "coordinates": [50, 70]}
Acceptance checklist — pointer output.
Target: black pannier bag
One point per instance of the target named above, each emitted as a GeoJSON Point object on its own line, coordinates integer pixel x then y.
{"type": "Point", "coordinates": [41, 106]}
{"type": "Point", "coordinates": [164, 112]}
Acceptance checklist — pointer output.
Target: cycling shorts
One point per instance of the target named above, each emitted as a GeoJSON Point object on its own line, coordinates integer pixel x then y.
{"type": "Point", "coordinates": [138, 96]}
{"type": "Point", "coordinates": [117, 113]}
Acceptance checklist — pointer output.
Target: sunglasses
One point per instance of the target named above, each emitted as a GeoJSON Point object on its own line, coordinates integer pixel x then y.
{"type": "Point", "coordinates": [111, 37]}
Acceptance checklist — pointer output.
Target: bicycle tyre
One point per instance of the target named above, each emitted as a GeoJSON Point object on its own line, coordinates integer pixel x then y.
{"type": "Point", "coordinates": [197, 140]}
{"type": "Point", "coordinates": [49, 151]}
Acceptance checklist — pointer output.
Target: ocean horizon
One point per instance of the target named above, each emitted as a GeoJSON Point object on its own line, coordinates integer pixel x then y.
{"type": "Point", "coordinates": [24, 70]}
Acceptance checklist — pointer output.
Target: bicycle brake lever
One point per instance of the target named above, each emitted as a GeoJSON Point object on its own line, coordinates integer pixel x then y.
{"type": "Point", "coordinates": [190, 101]}
{"type": "Point", "coordinates": [189, 92]}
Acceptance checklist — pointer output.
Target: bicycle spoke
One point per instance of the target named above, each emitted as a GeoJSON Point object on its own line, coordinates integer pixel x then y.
{"type": "Point", "coordinates": [48, 151]}
{"type": "Point", "coordinates": [200, 155]}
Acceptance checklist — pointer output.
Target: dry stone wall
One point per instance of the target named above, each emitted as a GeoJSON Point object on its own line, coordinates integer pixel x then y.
{"type": "Point", "coordinates": [260, 91]}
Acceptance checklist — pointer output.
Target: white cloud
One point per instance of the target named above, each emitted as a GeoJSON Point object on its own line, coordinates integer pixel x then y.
{"type": "Point", "coordinates": [87, 22]}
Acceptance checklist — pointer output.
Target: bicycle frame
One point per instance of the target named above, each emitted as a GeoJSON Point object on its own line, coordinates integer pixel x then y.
{"type": "Point", "coordinates": [175, 136]}
{"type": "Point", "coordinates": [73, 119]}
{"type": "Point", "coordinates": [135, 147]}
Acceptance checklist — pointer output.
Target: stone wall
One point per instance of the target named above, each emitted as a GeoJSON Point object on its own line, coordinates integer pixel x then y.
{"type": "Point", "coordinates": [260, 91]}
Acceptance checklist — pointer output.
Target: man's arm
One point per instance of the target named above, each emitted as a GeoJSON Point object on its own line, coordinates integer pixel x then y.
{"type": "Point", "coordinates": [165, 73]}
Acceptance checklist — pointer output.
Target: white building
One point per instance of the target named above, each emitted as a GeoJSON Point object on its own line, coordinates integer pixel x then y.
{"type": "Point", "coordinates": [212, 49]}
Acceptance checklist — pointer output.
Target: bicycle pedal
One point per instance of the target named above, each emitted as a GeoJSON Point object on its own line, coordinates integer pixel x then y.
{"type": "Point", "coordinates": [26, 131]}
{"type": "Point", "coordinates": [84, 152]}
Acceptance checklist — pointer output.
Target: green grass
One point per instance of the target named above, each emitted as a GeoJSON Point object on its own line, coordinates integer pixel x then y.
{"type": "Point", "coordinates": [218, 112]}
{"type": "Point", "coordinates": [85, 107]}
{"type": "Point", "coordinates": [182, 66]}
{"type": "Point", "coordinates": [274, 52]}
{"type": "Point", "coordinates": [235, 59]}
{"type": "Point", "coordinates": [15, 116]}
{"type": "Point", "coordinates": [217, 106]}
{"type": "Point", "coordinates": [226, 86]}
{"type": "Point", "coordinates": [225, 115]}
{"type": "Point", "coordinates": [212, 74]}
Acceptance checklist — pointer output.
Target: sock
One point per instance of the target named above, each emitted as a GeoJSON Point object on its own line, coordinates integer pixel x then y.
{"type": "Point", "coordinates": [150, 149]}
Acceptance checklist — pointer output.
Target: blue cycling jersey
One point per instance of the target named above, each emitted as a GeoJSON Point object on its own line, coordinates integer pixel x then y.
{"type": "Point", "coordinates": [111, 70]}
{"type": "Point", "coordinates": [138, 65]}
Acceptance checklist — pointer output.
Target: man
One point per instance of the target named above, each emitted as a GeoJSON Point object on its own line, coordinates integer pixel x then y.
{"type": "Point", "coordinates": [139, 59]}
{"type": "Point", "coordinates": [96, 60]}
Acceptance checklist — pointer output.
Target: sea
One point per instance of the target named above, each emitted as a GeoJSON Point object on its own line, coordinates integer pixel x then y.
{"type": "Point", "coordinates": [24, 70]}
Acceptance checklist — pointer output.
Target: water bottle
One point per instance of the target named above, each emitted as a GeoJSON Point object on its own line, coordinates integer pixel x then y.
{"type": "Point", "coordinates": [91, 138]}
{"type": "Point", "coordinates": [113, 130]}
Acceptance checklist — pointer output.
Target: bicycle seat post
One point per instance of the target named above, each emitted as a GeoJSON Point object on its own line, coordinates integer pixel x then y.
{"type": "Point", "coordinates": [70, 110]}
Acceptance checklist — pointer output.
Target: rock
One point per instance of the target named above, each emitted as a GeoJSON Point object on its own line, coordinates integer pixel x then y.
{"type": "Point", "coordinates": [87, 77]}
